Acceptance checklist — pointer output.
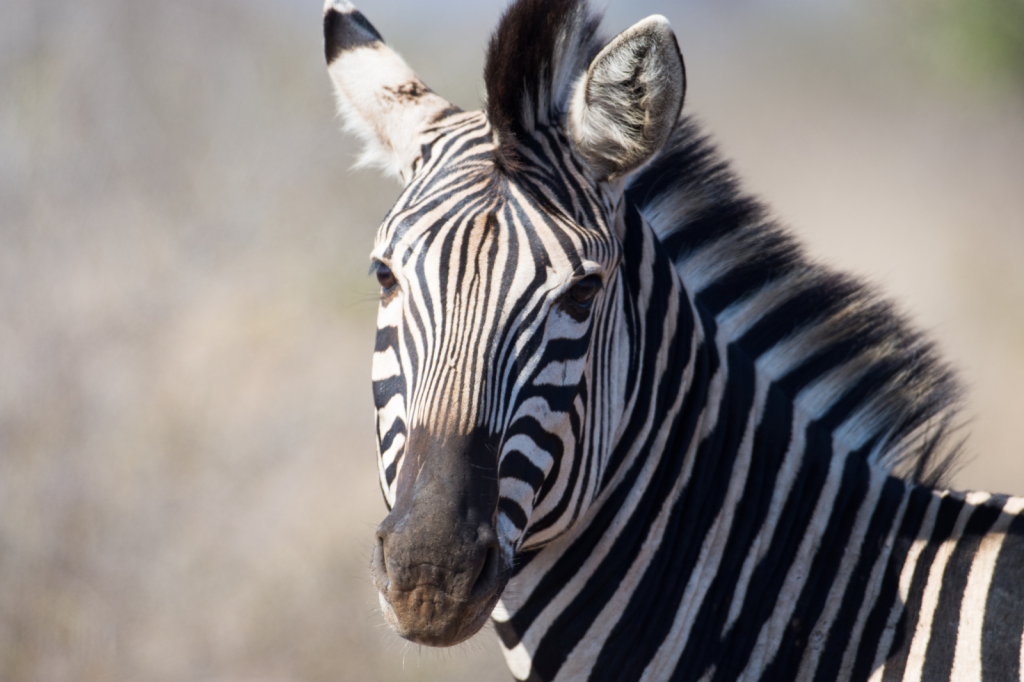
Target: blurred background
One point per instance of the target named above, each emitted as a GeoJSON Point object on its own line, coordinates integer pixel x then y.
{"type": "Point", "coordinates": [187, 480]}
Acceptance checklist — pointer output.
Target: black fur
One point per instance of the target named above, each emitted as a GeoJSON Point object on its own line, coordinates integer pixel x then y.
{"type": "Point", "coordinates": [919, 392]}
{"type": "Point", "coordinates": [347, 31]}
{"type": "Point", "coordinates": [519, 60]}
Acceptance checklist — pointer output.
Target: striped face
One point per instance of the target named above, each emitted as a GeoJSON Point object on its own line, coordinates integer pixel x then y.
{"type": "Point", "coordinates": [492, 290]}
{"type": "Point", "coordinates": [501, 357]}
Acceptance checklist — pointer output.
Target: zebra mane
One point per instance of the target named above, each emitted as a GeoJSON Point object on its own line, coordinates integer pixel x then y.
{"type": "Point", "coordinates": [535, 56]}
{"type": "Point", "coordinates": [728, 250]}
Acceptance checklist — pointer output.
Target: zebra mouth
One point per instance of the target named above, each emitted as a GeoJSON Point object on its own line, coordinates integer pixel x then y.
{"type": "Point", "coordinates": [428, 604]}
{"type": "Point", "coordinates": [438, 563]}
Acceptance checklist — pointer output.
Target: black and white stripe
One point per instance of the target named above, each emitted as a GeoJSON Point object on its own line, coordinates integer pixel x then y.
{"type": "Point", "coordinates": [727, 465]}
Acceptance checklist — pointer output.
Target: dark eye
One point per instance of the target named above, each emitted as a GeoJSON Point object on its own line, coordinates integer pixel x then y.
{"type": "Point", "coordinates": [584, 291]}
{"type": "Point", "coordinates": [385, 277]}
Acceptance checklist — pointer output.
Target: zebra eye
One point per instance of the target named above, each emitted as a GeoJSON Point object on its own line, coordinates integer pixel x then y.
{"type": "Point", "coordinates": [385, 277]}
{"type": "Point", "coordinates": [583, 292]}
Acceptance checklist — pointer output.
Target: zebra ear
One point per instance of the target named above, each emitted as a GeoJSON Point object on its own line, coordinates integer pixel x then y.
{"type": "Point", "coordinates": [626, 106]}
{"type": "Point", "coordinates": [379, 98]}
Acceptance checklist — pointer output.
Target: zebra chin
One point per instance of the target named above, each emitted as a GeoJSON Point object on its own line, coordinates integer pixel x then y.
{"type": "Point", "coordinates": [428, 607]}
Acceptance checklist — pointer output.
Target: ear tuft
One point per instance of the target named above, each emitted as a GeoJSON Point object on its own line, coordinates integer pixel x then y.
{"type": "Point", "coordinates": [626, 106]}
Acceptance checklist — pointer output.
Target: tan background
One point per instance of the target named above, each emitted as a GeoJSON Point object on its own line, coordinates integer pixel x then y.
{"type": "Point", "coordinates": [187, 478]}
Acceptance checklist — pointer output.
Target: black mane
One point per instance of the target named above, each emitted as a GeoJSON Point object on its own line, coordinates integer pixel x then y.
{"type": "Point", "coordinates": [690, 197]}
{"type": "Point", "coordinates": [534, 55]}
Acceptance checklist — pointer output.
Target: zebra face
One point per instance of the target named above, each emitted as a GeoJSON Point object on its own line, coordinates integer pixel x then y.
{"type": "Point", "coordinates": [502, 306]}
{"type": "Point", "coordinates": [490, 294]}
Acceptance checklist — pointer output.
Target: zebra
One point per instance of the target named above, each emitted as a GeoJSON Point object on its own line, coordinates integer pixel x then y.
{"type": "Point", "coordinates": [622, 415]}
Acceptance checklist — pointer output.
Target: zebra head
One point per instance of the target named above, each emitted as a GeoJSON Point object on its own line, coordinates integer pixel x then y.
{"type": "Point", "coordinates": [505, 318]}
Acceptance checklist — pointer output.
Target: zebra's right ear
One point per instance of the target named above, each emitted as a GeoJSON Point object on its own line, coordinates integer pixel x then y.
{"type": "Point", "coordinates": [626, 105]}
{"type": "Point", "coordinates": [379, 98]}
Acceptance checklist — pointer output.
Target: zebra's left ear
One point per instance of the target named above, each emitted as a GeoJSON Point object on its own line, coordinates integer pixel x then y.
{"type": "Point", "coordinates": [380, 99]}
{"type": "Point", "coordinates": [626, 106]}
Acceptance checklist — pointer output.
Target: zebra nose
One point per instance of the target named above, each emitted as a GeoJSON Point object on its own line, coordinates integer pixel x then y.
{"type": "Point", "coordinates": [437, 588]}
{"type": "Point", "coordinates": [464, 568]}
{"type": "Point", "coordinates": [437, 562]}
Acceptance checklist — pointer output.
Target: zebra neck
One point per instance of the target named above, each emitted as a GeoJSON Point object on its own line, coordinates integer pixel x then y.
{"type": "Point", "coordinates": [718, 477]}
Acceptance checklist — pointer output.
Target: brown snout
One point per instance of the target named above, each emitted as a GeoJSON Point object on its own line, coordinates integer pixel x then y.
{"type": "Point", "coordinates": [438, 564]}
{"type": "Point", "coordinates": [439, 594]}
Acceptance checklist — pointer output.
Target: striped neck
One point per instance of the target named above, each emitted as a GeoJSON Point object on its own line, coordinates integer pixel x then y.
{"type": "Point", "coordinates": [720, 473]}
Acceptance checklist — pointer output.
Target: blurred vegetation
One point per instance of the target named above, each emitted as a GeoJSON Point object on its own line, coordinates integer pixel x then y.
{"type": "Point", "coordinates": [977, 40]}
{"type": "Point", "coordinates": [187, 474]}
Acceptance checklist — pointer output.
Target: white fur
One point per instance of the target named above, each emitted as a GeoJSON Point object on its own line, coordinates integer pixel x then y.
{"type": "Point", "coordinates": [604, 116]}
{"type": "Point", "coordinates": [368, 81]}
{"type": "Point", "coordinates": [967, 658]}
{"type": "Point", "coordinates": [930, 599]}
{"type": "Point", "coordinates": [906, 576]}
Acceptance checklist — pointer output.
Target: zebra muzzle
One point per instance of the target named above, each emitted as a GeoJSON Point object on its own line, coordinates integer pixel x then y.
{"type": "Point", "coordinates": [437, 562]}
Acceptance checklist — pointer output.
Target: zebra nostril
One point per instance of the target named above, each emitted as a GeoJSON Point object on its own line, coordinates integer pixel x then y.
{"type": "Point", "coordinates": [487, 578]}
{"type": "Point", "coordinates": [379, 565]}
